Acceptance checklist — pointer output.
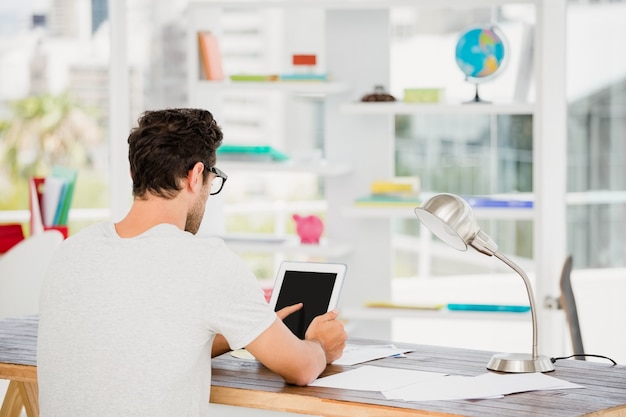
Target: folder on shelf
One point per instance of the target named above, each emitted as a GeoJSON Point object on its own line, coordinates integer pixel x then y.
{"type": "Point", "coordinates": [52, 201]}
{"type": "Point", "coordinates": [10, 235]}
{"type": "Point", "coordinates": [68, 175]}
{"type": "Point", "coordinates": [210, 56]}
{"type": "Point", "coordinates": [303, 77]}
{"type": "Point", "coordinates": [35, 188]}
{"type": "Point", "coordinates": [254, 77]}
{"type": "Point", "coordinates": [496, 202]}
{"type": "Point", "coordinates": [251, 153]}
{"type": "Point", "coordinates": [402, 306]}
{"type": "Point", "coordinates": [388, 200]}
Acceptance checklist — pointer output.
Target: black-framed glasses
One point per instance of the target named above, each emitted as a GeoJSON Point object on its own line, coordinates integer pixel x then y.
{"type": "Point", "coordinates": [218, 181]}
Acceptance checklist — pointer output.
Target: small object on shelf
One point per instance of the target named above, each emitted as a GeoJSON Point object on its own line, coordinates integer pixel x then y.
{"type": "Point", "coordinates": [379, 94]}
{"type": "Point", "coordinates": [304, 60]}
{"type": "Point", "coordinates": [254, 77]}
{"type": "Point", "coordinates": [481, 54]}
{"type": "Point", "coordinates": [389, 304]}
{"type": "Point", "coordinates": [408, 185]}
{"type": "Point", "coordinates": [10, 235]}
{"type": "Point", "coordinates": [250, 153]}
{"type": "Point", "coordinates": [309, 228]}
{"type": "Point", "coordinates": [489, 307]}
{"type": "Point", "coordinates": [210, 56]}
{"type": "Point", "coordinates": [303, 77]}
{"type": "Point", "coordinates": [396, 191]}
{"type": "Point", "coordinates": [304, 63]}
{"type": "Point", "coordinates": [497, 202]}
{"type": "Point", "coordinates": [423, 95]}
{"type": "Point", "coordinates": [387, 200]}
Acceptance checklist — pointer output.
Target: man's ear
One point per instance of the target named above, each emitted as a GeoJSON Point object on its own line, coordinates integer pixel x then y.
{"type": "Point", "coordinates": [195, 178]}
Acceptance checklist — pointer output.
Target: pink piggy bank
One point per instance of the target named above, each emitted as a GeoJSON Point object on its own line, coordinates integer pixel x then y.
{"type": "Point", "coordinates": [309, 228]}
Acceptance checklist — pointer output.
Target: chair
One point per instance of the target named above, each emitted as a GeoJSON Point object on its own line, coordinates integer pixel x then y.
{"type": "Point", "coordinates": [22, 269]}
{"type": "Point", "coordinates": [568, 303]}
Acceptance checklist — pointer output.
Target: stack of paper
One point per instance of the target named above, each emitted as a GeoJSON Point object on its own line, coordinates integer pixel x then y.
{"type": "Point", "coordinates": [410, 385]}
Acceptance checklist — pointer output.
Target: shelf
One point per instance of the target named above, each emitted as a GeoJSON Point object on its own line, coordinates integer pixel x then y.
{"type": "Point", "coordinates": [322, 168]}
{"type": "Point", "coordinates": [378, 313]}
{"type": "Point", "coordinates": [386, 108]}
{"type": "Point", "coordinates": [407, 212]}
{"type": "Point", "coordinates": [293, 87]}
{"type": "Point", "coordinates": [361, 4]}
{"type": "Point", "coordinates": [288, 245]}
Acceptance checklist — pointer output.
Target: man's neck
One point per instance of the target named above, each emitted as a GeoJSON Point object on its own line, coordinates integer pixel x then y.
{"type": "Point", "coordinates": [144, 214]}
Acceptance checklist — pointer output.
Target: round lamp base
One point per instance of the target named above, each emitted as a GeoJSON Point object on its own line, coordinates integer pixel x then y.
{"type": "Point", "coordinates": [519, 362]}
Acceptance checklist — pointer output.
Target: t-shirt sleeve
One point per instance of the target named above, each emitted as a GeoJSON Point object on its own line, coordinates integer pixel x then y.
{"type": "Point", "coordinates": [239, 311]}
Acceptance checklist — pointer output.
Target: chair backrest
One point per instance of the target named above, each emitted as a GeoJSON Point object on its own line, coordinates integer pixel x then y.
{"type": "Point", "coordinates": [22, 269]}
{"type": "Point", "coordinates": [568, 303]}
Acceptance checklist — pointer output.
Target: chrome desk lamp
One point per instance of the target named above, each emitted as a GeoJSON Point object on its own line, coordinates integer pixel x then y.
{"type": "Point", "coordinates": [451, 219]}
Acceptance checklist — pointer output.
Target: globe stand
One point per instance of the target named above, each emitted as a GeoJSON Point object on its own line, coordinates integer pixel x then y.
{"type": "Point", "coordinates": [477, 98]}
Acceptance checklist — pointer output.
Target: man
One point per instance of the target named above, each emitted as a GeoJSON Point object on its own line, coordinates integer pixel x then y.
{"type": "Point", "coordinates": [131, 312]}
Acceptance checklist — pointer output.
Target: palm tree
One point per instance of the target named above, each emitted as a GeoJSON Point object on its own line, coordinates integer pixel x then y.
{"type": "Point", "coordinates": [43, 131]}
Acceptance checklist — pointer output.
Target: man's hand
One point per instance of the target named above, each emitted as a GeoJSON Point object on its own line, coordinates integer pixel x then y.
{"type": "Point", "coordinates": [329, 333]}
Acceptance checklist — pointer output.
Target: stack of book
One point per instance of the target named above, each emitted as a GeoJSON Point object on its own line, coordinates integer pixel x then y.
{"type": "Point", "coordinates": [397, 191]}
{"type": "Point", "coordinates": [51, 198]}
{"type": "Point", "coordinates": [250, 153]}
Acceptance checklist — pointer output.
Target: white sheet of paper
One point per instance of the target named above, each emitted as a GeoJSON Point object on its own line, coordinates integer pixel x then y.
{"type": "Point", "coordinates": [354, 354]}
{"type": "Point", "coordinates": [524, 382]}
{"type": "Point", "coordinates": [489, 385]}
{"type": "Point", "coordinates": [374, 378]}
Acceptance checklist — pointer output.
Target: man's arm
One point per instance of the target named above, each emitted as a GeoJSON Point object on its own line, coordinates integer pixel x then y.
{"type": "Point", "coordinates": [220, 345]}
{"type": "Point", "coordinates": [300, 361]}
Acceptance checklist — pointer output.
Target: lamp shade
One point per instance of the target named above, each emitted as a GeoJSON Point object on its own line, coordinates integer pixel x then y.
{"type": "Point", "coordinates": [451, 219]}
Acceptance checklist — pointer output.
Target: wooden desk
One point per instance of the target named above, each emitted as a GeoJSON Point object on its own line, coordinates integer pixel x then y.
{"type": "Point", "coordinates": [248, 383]}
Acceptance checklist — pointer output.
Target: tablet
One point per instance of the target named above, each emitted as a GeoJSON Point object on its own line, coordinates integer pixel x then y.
{"type": "Point", "coordinates": [317, 285]}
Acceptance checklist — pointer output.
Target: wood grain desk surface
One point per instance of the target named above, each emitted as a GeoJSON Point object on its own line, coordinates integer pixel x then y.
{"type": "Point", "coordinates": [248, 383]}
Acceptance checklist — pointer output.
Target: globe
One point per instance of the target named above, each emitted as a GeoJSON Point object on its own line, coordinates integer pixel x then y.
{"type": "Point", "coordinates": [480, 54]}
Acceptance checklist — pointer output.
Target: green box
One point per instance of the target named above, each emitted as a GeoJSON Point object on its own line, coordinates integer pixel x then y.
{"type": "Point", "coordinates": [423, 95]}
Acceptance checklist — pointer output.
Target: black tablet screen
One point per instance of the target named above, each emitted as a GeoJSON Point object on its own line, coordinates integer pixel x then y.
{"type": "Point", "coordinates": [314, 289]}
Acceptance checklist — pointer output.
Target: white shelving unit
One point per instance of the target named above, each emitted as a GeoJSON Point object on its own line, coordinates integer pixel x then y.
{"type": "Point", "coordinates": [361, 135]}
{"type": "Point", "coordinates": [393, 108]}
{"type": "Point", "coordinates": [322, 168]}
{"type": "Point", "coordinates": [205, 87]}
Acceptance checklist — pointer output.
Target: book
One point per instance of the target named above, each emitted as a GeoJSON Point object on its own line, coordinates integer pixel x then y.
{"type": "Point", "coordinates": [303, 77]}
{"type": "Point", "coordinates": [69, 175]}
{"type": "Point", "coordinates": [493, 202]}
{"type": "Point", "coordinates": [395, 185]}
{"type": "Point", "coordinates": [35, 201]}
{"type": "Point", "coordinates": [389, 304]}
{"type": "Point", "coordinates": [53, 195]}
{"type": "Point", "coordinates": [210, 56]}
{"type": "Point", "coordinates": [388, 200]}
{"type": "Point", "coordinates": [254, 77]}
{"type": "Point", "coordinates": [250, 153]}
{"type": "Point", "coordinates": [489, 307]}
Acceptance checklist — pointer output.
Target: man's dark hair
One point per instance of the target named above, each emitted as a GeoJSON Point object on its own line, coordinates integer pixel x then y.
{"type": "Point", "coordinates": [166, 144]}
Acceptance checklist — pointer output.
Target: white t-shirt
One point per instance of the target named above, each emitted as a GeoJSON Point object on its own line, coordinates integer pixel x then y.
{"type": "Point", "coordinates": [126, 325]}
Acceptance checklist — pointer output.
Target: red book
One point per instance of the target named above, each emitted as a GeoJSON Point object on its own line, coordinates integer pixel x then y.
{"type": "Point", "coordinates": [210, 56]}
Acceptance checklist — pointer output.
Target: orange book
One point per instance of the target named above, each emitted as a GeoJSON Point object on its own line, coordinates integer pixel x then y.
{"type": "Point", "coordinates": [210, 56]}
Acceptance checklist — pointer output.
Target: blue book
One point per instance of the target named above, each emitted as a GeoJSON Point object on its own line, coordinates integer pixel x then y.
{"type": "Point", "coordinates": [302, 77]}
{"type": "Point", "coordinates": [69, 175]}
{"type": "Point", "coordinates": [479, 201]}
{"type": "Point", "coordinates": [489, 307]}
